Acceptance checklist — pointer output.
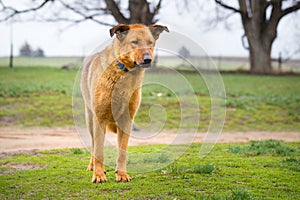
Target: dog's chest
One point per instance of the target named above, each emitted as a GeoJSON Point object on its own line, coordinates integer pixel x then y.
{"type": "Point", "coordinates": [114, 86]}
{"type": "Point", "coordinates": [116, 95]}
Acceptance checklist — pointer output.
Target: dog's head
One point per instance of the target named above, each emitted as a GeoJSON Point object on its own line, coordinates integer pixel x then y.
{"type": "Point", "coordinates": [134, 44]}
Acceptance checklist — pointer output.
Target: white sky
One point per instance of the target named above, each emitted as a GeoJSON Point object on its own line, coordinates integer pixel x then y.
{"type": "Point", "coordinates": [82, 39]}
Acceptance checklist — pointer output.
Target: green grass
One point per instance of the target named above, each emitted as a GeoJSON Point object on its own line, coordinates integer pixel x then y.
{"type": "Point", "coordinates": [42, 61]}
{"type": "Point", "coordinates": [60, 174]}
{"type": "Point", "coordinates": [36, 96]}
{"type": "Point", "coordinates": [31, 81]}
{"type": "Point", "coordinates": [253, 102]}
{"type": "Point", "coordinates": [272, 147]}
{"type": "Point", "coordinates": [32, 96]}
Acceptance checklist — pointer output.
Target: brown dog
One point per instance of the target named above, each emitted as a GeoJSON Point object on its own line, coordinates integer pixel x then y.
{"type": "Point", "coordinates": [111, 88]}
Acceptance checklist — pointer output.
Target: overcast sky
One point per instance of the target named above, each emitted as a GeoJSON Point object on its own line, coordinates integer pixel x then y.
{"type": "Point", "coordinates": [80, 40]}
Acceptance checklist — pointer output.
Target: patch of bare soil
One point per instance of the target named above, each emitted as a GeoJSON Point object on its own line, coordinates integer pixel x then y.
{"type": "Point", "coordinates": [18, 140]}
{"type": "Point", "coordinates": [12, 167]}
{"type": "Point", "coordinates": [14, 139]}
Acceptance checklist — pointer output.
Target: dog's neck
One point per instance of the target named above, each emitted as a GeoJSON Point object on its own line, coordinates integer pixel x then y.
{"type": "Point", "coordinates": [122, 66]}
{"type": "Point", "coordinates": [131, 78]}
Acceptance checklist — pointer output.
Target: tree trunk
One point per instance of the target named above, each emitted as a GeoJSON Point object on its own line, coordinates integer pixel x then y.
{"type": "Point", "coordinates": [260, 57]}
{"type": "Point", "coordinates": [260, 46]}
{"type": "Point", "coordinates": [260, 34]}
{"type": "Point", "coordinates": [140, 12]}
{"type": "Point", "coordinates": [260, 19]}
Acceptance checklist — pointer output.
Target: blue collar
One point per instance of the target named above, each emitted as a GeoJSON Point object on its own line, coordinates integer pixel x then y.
{"type": "Point", "coordinates": [122, 66]}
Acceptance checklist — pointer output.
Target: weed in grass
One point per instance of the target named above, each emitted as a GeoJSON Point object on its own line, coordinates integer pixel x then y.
{"type": "Point", "coordinates": [235, 149]}
{"type": "Point", "coordinates": [197, 169]}
{"type": "Point", "coordinates": [292, 164]}
{"type": "Point", "coordinates": [204, 169]}
{"type": "Point", "coordinates": [266, 147]}
{"type": "Point", "coordinates": [175, 169]}
{"type": "Point", "coordinates": [77, 151]}
{"type": "Point", "coordinates": [293, 160]}
{"type": "Point", "coordinates": [240, 194]}
{"type": "Point", "coordinates": [160, 158]}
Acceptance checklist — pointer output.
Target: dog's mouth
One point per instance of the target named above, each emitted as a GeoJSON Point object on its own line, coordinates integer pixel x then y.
{"type": "Point", "coordinates": [142, 65]}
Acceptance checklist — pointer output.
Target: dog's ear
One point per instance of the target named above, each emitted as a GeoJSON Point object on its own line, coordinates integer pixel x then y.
{"type": "Point", "coordinates": [120, 30]}
{"type": "Point", "coordinates": [157, 29]}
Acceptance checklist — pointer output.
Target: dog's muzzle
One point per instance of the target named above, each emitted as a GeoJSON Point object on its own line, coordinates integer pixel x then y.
{"type": "Point", "coordinates": [146, 62]}
{"type": "Point", "coordinates": [147, 59]}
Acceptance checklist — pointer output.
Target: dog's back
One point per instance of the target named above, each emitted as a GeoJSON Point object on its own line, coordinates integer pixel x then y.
{"type": "Point", "coordinates": [92, 69]}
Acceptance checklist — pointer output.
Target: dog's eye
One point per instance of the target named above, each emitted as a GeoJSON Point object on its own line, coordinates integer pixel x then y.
{"type": "Point", "coordinates": [150, 42]}
{"type": "Point", "coordinates": [135, 42]}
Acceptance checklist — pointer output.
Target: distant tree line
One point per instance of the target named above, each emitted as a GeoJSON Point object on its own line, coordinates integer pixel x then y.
{"type": "Point", "coordinates": [184, 52]}
{"type": "Point", "coordinates": [27, 51]}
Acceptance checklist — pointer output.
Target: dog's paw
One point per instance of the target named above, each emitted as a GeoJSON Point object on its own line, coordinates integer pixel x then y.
{"type": "Point", "coordinates": [99, 178]}
{"type": "Point", "coordinates": [91, 164]}
{"type": "Point", "coordinates": [122, 177]}
{"type": "Point", "coordinates": [90, 167]}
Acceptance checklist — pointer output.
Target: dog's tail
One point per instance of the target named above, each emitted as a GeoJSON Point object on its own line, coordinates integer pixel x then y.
{"type": "Point", "coordinates": [112, 128]}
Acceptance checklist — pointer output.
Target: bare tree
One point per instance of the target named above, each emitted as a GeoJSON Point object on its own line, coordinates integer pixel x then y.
{"type": "Point", "coordinates": [260, 19]}
{"type": "Point", "coordinates": [77, 11]}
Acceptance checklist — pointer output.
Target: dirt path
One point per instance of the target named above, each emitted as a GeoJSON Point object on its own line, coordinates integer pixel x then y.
{"type": "Point", "coordinates": [26, 139]}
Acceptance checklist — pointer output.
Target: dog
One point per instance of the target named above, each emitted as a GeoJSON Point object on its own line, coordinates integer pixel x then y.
{"type": "Point", "coordinates": [111, 88]}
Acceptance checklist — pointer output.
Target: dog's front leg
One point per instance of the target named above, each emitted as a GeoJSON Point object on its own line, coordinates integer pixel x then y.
{"type": "Point", "coordinates": [121, 175]}
{"type": "Point", "coordinates": [99, 135]}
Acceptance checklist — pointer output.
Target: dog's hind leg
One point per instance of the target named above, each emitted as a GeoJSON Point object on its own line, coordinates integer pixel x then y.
{"type": "Point", "coordinates": [98, 159]}
{"type": "Point", "coordinates": [89, 123]}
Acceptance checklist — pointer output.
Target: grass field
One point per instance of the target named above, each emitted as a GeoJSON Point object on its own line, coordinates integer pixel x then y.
{"type": "Point", "coordinates": [32, 96]}
{"type": "Point", "coordinates": [259, 170]}
{"type": "Point", "coordinates": [42, 61]}
{"type": "Point", "coordinates": [42, 96]}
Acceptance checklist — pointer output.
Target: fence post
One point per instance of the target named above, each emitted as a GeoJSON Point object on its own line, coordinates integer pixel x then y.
{"type": "Point", "coordinates": [279, 62]}
{"type": "Point", "coordinates": [11, 57]}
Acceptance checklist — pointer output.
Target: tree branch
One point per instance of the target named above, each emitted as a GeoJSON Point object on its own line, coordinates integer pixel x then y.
{"type": "Point", "coordinates": [291, 9]}
{"type": "Point", "coordinates": [83, 11]}
{"type": "Point", "coordinates": [86, 7]}
{"type": "Point", "coordinates": [157, 7]}
{"type": "Point", "coordinates": [219, 2]}
{"type": "Point", "coordinates": [16, 12]}
{"type": "Point", "coordinates": [113, 7]}
{"type": "Point", "coordinates": [77, 11]}
{"type": "Point", "coordinates": [85, 17]}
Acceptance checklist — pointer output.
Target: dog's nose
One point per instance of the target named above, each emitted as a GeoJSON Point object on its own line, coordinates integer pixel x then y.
{"type": "Point", "coordinates": [147, 59]}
